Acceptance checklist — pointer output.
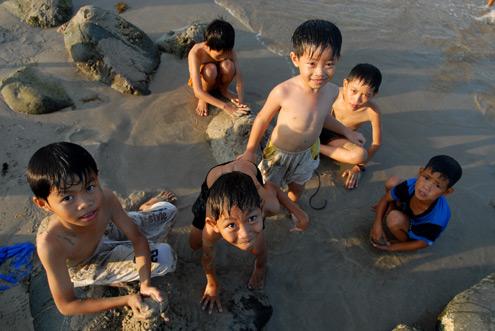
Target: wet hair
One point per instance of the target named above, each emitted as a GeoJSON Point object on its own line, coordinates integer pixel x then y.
{"type": "Point", "coordinates": [447, 166]}
{"type": "Point", "coordinates": [317, 35]}
{"type": "Point", "coordinates": [368, 74]}
{"type": "Point", "coordinates": [232, 189]}
{"type": "Point", "coordinates": [59, 166]}
{"type": "Point", "coordinates": [220, 35]}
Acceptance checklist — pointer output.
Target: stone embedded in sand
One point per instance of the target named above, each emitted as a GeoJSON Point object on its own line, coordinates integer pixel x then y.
{"type": "Point", "coordinates": [41, 13]}
{"type": "Point", "coordinates": [473, 309]}
{"type": "Point", "coordinates": [111, 50]}
{"type": "Point", "coordinates": [404, 327]}
{"type": "Point", "coordinates": [29, 91]}
{"type": "Point", "coordinates": [228, 136]}
{"type": "Point", "coordinates": [180, 41]}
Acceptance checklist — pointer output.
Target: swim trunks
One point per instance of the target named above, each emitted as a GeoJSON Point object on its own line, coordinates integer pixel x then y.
{"type": "Point", "coordinates": [113, 260]}
{"type": "Point", "coordinates": [282, 167]}
{"type": "Point", "coordinates": [199, 206]}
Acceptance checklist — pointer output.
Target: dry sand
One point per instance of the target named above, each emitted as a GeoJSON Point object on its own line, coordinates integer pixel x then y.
{"type": "Point", "coordinates": [326, 278]}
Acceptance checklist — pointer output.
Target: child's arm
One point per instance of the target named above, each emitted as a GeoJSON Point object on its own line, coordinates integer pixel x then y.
{"type": "Point", "coordinates": [376, 129]}
{"type": "Point", "coordinates": [54, 262]}
{"type": "Point", "coordinates": [411, 245]}
{"type": "Point", "coordinates": [302, 219]}
{"type": "Point", "coordinates": [332, 124]}
{"type": "Point", "coordinates": [239, 83]}
{"type": "Point", "coordinates": [210, 295]}
{"type": "Point", "coordinates": [140, 245]}
{"type": "Point", "coordinates": [377, 229]}
{"type": "Point", "coordinates": [262, 121]}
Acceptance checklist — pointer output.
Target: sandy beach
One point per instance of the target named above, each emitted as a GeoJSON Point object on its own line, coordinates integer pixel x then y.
{"type": "Point", "coordinates": [327, 278]}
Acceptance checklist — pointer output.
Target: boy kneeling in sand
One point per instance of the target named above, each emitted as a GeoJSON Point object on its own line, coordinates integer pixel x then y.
{"type": "Point", "coordinates": [233, 212]}
{"type": "Point", "coordinates": [213, 65]}
{"type": "Point", "coordinates": [413, 213]}
{"type": "Point", "coordinates": [88, 239]}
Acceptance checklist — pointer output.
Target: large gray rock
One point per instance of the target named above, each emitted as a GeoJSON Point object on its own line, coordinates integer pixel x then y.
{"type": "Point", "coordinates": [228, 135]}
{"type": "Point", "coordinates": [109, 49]}
{"type": "Point", "coordinates": [473, 309]}
{"type": "Point", "coordinates": [29, 91]}
{"type": "Point", "coordinates": [41, 13]}
{"type": "Point", "coordinates": [180, 41]}
{"type": "Point", "coordinates": [405, 327]}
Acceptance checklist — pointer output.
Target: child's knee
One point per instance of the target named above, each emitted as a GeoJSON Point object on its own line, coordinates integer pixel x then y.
{"type": "Point", "coordinates": [397, 220]}
{"type": "Point", "coordinates": [209, 73]}
{"type": "Point", "coordinates": [227, 68]}
{"type": "Point", "coordinates": [359, 155]}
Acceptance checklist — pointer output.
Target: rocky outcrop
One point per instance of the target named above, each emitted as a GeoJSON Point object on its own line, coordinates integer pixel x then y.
{"type": "Point", "coordinates": [29, 91]}
{"type": "Point", "coordinates": [473, 309]}
{"type": "Point", "coordinates": [404, 327]}
{"type": "Point", "coordinates": [228, 135]}
{"type": "Point", "coordinates": [41, 13]}
{"type": "Point", "coordinates": [180, 41]}
{"type": "Point", "coordinates": [107, 48]}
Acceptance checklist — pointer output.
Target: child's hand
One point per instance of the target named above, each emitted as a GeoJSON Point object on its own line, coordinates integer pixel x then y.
{"type": "Point", "coordinates": [152, 292]}
{"type": "Point", "coordinates": [376, 233]}
{"type": "Point", "coordinates": [356, 138]}
{"type": "Point", "coordinates": [210, 298]}
{"type": "Point", "coordinates": [236, 110]}
{"type": "Point", "coordinates": [382, 246]}
{"type": "Point", "coordinates": [140, 311]}
{"type": "Point", "coordinates": [353, 176]}
{"type": "Point", "coordinates": [301, 221]}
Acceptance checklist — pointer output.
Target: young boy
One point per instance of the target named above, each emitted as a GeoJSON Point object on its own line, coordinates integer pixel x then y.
{"type": "Point", "coordinates": [271, 197]}
{"type": "Point", "coordinates": [301, 104]}
{"type": "Point", "coordinates": [353, 107]}
{"type": "Point", "coordinates": [413, 213]}
{"type": "Point", "coordinates": [88, 238]}
{"type": "Point", "coordinates": [233, 212]}
{"type": "Point", "coordinates": [213, 65]}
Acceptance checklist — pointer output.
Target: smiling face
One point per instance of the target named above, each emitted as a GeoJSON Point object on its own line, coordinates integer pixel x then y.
{"type": "Point", "coordinates": [316, 68]}
{"type": "Point", "coordinates": [76, 205]}
{"type": "Point", "coordinates": [239, 228]}
{"type": "Point", "coordinates": [431, 185]}
{"type": "Point", "coordinates": [356, 93]}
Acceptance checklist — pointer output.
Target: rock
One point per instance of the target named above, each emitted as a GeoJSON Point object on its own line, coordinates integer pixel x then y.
{"type": "Point", "coordinates": [29, 91]}
{"type": "Point", "coordinates": [180, 41]}
{"type": "Point", "coordinates": [228, 136]}
{"type": "Point", "coordinates": [251, 310]}
{"type": "Point", "coordinates": [41, 13]}
{"type": "Point", "coordinates": [107, 48]}
{"type": "Point", "coordinates": [404, 327]}
{"type": "Point", "coordinates": [473, 309]}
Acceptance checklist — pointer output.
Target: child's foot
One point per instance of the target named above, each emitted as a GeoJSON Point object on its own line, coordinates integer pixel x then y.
{"type": "Point", "coordinates": [202, 108]}
{"type": "Point", "coordinates": [167, 196]}
{"type": "Point", "coordinates": [257, 280]}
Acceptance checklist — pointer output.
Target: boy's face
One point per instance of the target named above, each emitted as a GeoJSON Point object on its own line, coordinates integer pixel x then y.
{"type": "Point", "coordinates": [316, 68]}
{"type": "Point", "coordinates": [77, 205]}
{"type": "Point", "coordinates": [431, 185]}
{"type": "Point", "coordinates": [356, 93]}
{"type": "Point", "coordinates": [218, 55]}
{"type": "Point", "coordinates": [240, 228]}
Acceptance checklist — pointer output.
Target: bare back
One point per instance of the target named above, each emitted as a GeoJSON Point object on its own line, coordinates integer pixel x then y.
{"type": "Point", "coordinates": [301, 115]}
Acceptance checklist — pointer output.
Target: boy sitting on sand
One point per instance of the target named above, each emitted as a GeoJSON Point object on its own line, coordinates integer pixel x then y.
{"type": "Point", "coordinates": [301, 104]}
{"type": "Point", "coordinates": [413, 213]}
{"type": "Point", "coordinates": [88, 239]}
{"type": "Point", "coordinates": [271, 196]}
{"type": "Point", "coordinates": [233, 212]}
{"type": "Point", "coordinates": [213, 65]}
{"type": "Point", "coordinates": [353, 107]}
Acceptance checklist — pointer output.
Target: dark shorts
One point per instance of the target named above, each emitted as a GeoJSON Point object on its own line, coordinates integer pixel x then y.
{"type": "Point", "coordinates": [326, 136]}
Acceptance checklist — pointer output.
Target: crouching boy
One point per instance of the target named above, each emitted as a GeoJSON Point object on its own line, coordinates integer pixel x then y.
{"type": "Point", "coordinates": [233, 212]}
{"type": "Point", "coordinates": [413, 213]}
{"type": "Point", "coordinates": [88, 239]}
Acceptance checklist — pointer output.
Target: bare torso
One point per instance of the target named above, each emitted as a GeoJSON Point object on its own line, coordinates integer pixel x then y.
{"type": "Point", "coordinates": [302, 114]}
{"type": "Point", "coordinates": [200, 52]}
{"type": "Point", "coordinates": [353, 119]}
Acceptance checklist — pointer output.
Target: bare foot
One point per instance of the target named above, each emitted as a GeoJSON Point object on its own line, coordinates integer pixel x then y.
{"type": "Point", "coordinates": [162, 196]}
{"type": "Point", "coordinates": [257, 280]}
{"type": "Point", "coordinates": [202, 108]}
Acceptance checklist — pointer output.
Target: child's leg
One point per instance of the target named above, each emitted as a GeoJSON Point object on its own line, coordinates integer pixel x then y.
{"type": "Point", "coordinates": [295, 191]}
{"type": "Point", "coordinates": [396, 226]}
{"type": "Point", "coordinates": [167, 196]}
{"type": "Point", "coordinates": [227, 74]}
{"type": "Point", "coordinates": [257, 279]}
{"type": "Point", "coordinates": [209, 76]}
{"type": "Point", "coordinates": [343, 150]}
{"type": "Point", "coordinates": [195, 238]}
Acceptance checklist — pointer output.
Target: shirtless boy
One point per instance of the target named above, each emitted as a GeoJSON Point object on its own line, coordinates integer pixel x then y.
{"type": "Point", "coordinates": [213, 65]}
{"type": "Point", "coordinates": [88, 239]}
{"type": "Point", "coordinates": [233, 212]}
{"type": "Point", "coordinates": [353, 108]}
{"type": "Point", "coordinates": [271, 198]}
{"type": "Point", "coordinates": [301, 105]}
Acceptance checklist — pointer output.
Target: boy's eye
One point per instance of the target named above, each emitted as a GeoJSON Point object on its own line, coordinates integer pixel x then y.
{"type": "Point", "coordinates": [252, 218]}
{"type": "Point", "coordinates": [230, 226]}
{"type": "Point", "coordinates": [67, 198]}
{"type": "Point", "coordinates": [90, 188]}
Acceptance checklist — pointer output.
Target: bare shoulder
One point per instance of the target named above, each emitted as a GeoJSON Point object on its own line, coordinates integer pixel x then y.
{"type": "Point", "coordinates": [195, 49]}
{"type": "Point", "coordinates": [48, 240]}
{"type": "Point", "coordinates": [373, 109]}
{"type": "Point", "coordinates": [110, 201]}
{"type": "Point", "coordinates": [284, 88]}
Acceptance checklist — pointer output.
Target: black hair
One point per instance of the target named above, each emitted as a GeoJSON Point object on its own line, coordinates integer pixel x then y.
{"type": "Point", "coordinates": [317, 34]}
{"type": "Point", "coordinates": [368, 74]}
{"type": "Point", "coordinates": [220, 35]}
{"type": "Point", "coordinates": [232, 189]}
{"type": "Point", "coordinates": [59, 166]}
{"type": "Point", "coordinates": [447, 166]}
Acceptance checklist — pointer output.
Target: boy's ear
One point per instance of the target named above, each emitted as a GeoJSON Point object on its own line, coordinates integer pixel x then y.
{"type": "Point", "coordinates": [346, 82]}
{"type": "Point", "coordinates": [449, 191]}
{"type": "Point", "coordinates": [295, 59]}
{"type": "Point", "coordinates": [212, 223]}
{"type": "Point", "coordinates": [421, 169]}
{"type": "Point", "coordinates": [43, 204]}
